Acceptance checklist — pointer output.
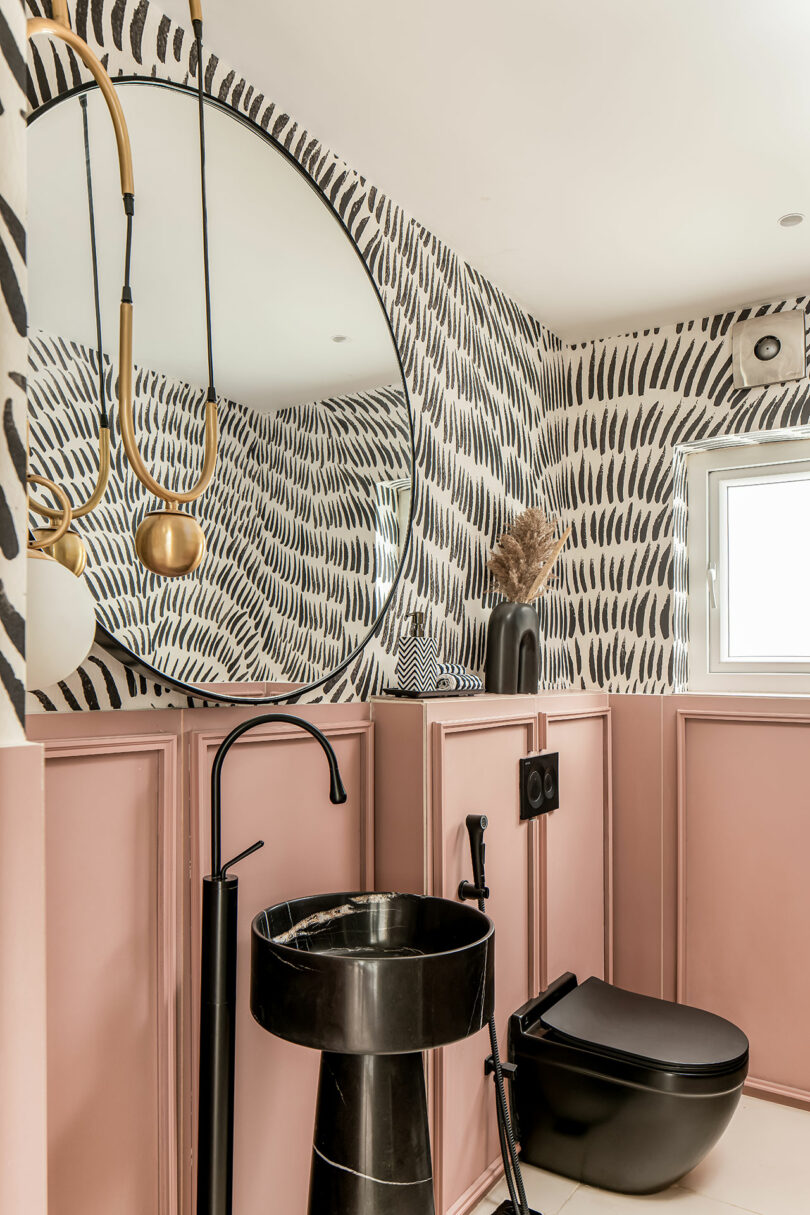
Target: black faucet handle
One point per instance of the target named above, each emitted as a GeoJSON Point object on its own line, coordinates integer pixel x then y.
{"type": "Point", "coordinates": [240, 856]}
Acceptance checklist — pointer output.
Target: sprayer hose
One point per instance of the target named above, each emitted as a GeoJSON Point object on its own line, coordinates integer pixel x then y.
{"type": "Point", "coordinates": [511, 1165]}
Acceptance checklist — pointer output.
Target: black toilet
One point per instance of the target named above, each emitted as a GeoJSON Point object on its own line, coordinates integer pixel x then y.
{"type": "Point", "coordinates": [621, 1091]}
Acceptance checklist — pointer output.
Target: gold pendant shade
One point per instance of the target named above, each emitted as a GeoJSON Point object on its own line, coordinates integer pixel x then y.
{"type": "Point", "coordinates": [168, 542]}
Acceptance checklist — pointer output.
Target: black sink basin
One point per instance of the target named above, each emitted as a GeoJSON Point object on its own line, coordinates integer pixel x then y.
{"type": "Point", "coordinates": [372, 980]}
{"type": "Point", "coordinates": [371, 973]}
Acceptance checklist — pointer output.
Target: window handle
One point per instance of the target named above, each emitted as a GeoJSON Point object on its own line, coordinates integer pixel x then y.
{"type": "Point", "coordinates": [712, 575]}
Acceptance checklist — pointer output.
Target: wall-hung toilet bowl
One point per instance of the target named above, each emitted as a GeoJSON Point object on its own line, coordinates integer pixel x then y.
{"type": "Point", "coordinates": [621, 1091]}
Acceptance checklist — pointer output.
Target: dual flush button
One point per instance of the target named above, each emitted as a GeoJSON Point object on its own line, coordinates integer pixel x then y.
{"type": "Point", "coordinates": [539, 784]}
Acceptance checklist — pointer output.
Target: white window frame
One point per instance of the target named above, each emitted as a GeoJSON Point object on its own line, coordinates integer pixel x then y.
{"type": "Point", "coordinates": [708, 475]}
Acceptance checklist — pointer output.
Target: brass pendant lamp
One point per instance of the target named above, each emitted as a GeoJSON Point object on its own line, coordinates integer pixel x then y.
{"type": "Point", "coordinates": [59, 540]}
{"type": "Point", "coordinates": [68, 548]}
{"type": "Point", "coordinates": [167, 541]}
{"type": "Point", "coordinates": [61, 618]}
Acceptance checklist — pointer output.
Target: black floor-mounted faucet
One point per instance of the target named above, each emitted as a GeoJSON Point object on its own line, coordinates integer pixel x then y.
{"type": "Point", "coordinates": [218, 984]}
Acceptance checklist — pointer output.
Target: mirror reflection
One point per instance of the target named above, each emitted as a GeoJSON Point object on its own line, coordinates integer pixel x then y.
{"type": "Point", "coordinates": [307, 515]}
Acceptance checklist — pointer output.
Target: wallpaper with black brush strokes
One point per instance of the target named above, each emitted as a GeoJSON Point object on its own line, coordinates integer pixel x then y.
{"type": "Point", "coordinates": [294, 530]}
{"type": "Point", "coordinates": [12, 371]}
{"type": "Point", "coordinates": [635, 401]}
{"type": "Point", "coordinates": [505, 417]}
{"type": "Point", "coordinates": [484, 379]}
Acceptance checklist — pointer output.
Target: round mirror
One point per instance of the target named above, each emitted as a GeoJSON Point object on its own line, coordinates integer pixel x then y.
{"type": "Point", "coordinates": [307, 517]}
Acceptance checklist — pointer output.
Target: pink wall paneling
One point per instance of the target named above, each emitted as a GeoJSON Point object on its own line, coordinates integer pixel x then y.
{"type": "Point", "coordinates": [23, 1111]}
{"type": "Point", "coordinates": [712, 827]}
{"type": "Point", "coordinates": [275, 787]}
{"type": "Point", "coordinates": [113, 848]}
{"type": "Point", "coordinates": [576, 849]}
{"type": "Point", "coordinates": [639, 804]}
{"type": "Point", "coordinates": [437, 762]}
{"type": "Point", "coordinates": [743, 897]}
{"type": "Point", "coordinates": [475, 772]}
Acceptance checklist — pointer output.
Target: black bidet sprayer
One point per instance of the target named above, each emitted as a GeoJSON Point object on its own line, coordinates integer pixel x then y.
{"type": "Point", "coordinates": [218, 985]}
{"type": "Point", "coordinates": [479, 891]}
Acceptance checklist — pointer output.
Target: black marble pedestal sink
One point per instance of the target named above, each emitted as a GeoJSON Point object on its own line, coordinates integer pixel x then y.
{"type": "Point", "coordinates": [371, 980]}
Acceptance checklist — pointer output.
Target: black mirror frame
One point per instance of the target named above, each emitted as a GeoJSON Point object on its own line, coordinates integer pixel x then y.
{"type": "Point", "coordinates": [104, 638]}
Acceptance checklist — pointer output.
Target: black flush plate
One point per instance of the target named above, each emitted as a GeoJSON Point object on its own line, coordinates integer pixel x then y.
{"type": "Point", "coordinates": [539, 784]}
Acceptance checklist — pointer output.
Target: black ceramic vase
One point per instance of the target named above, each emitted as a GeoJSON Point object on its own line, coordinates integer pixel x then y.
{"type": "Point", "coordinates": [513, 649]}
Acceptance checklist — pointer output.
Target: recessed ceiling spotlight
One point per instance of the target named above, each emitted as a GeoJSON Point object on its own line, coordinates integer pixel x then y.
{"type": "Point", "coordinates": [791, 219]}
{"type": "Point", "coordinates": [340, 337]}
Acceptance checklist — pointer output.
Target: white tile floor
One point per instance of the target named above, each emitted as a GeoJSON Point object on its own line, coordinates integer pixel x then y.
{"type": "Point", "coordinates": [761, 1165]}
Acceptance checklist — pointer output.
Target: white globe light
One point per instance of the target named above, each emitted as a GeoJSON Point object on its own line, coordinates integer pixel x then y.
{"type": "Point", "coordinates": [60, 622]}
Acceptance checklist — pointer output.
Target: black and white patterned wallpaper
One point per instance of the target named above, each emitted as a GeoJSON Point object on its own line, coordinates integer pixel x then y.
{"type": "Point", "coordinates": [292, 519]}
{"type": "Point", "coordinates": [505, 417]}
{"type": "Point", "coordinates": [12, 371]}
{"type": "Point", "coordinates": [633, 402]}
{"type": "Point", "coordinates": [484, 379]}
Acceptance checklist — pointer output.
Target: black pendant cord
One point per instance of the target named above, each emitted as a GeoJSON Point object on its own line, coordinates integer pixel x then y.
{"type": "Point", "coordinates": [104, 422]}
{"type": "Point", "coordinates": [211, 395]}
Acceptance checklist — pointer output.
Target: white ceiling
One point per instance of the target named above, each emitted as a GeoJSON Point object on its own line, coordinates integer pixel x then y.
{"type": "Point", "coordinates": [610, 165]}
{"type": "Point", "coordinates": [285, 280]}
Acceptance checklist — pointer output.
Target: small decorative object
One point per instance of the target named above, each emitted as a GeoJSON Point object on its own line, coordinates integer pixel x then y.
{"type": "Point", "coordinates": [417, 663]}
{"type": "Point", "coordinates": [520, 565]}
{"type": "Point", "coordinates": [453, 677]}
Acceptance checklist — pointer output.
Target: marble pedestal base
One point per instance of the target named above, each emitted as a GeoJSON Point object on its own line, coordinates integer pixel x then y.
{"type": "Point", "coordinates": [371, 1152]}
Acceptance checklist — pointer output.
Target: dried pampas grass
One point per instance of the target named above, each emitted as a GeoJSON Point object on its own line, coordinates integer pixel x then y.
{"type": "Point", "coordinates": [525, 554]}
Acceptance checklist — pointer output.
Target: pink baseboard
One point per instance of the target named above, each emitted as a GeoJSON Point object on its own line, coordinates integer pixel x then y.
{"type": "Point", "coordinates": [470, 1199]}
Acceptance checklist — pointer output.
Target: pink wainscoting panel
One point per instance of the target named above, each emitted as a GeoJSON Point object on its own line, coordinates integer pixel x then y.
{"type": "Point", "coordinates": [576, 847]}
{"type": "Point", "coordinates": [637, 842]}
{"type": "Point", "coordinates": [275, 787]}
{"type": "Point", "coordinates": [475, 771]}
{"type": "Point", "coordinates": [399, 779]}
{"type": "Point", "coordinates": [112, 822]}
{"type": "Point", "coordinates": [743, 894]}
{"type": "Point", "coordinates": [23, 1119]}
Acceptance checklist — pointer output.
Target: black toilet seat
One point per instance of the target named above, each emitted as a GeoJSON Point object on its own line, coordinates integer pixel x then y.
{"type": "Point", "coordinates": [641, 1029]}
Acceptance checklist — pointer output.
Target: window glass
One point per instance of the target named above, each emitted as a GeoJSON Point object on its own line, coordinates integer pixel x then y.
{"type": "Point", "coordinates": [768, 576]}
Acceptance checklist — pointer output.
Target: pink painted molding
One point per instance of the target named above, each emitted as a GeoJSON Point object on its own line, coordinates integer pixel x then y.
{"type": "Point", "coordinates": [436, 871]}
{"type": "Point", "coordinates": [470, 1199]}
{"type": "Point", "coordinates": [203, 743]}
{"type": "Point", "coordinates": [169, 939]}
{"type": "Point", "coordinates": [756, 1085]}
{"type": "Point", "coordinates": [436, 884]}
{"type": "Point", "coordinates": [583, 714]}
{"type": "Point", "coordinates": [23, 1034]}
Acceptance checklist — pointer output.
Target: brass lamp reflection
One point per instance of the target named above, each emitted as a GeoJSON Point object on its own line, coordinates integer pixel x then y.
{"type": "Point", "coordinates": [168, 541]}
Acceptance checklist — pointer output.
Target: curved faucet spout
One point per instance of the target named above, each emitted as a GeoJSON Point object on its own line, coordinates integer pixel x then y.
{"type": "Point", "coordinates": [337, 793]}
